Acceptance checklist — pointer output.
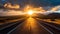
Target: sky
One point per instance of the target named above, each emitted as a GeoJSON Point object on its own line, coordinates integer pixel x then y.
{"type": "Point", "coordinates": [36, 3]}
{"type": "Point", "coordinates": [33, 2]}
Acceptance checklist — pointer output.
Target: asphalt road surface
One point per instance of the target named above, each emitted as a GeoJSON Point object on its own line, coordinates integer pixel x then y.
{"type": "Point", "coordinates": [30, 26]}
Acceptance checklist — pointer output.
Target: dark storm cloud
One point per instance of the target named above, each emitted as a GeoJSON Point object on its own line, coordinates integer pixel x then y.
{"type": "Point", "coordinates": [36, 2]}
{"type": "Point", "coordinates": [46, 2]}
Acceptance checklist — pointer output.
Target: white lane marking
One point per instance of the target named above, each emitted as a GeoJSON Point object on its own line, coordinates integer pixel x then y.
{"type": "Point", "coordinates": [15, 28]}
{"type": "Point", "coordinates": [52, 26]}
{"type": "Point", "coordinates": [46, 29]}
{"type": "Point", "coordinates": [8, 26]}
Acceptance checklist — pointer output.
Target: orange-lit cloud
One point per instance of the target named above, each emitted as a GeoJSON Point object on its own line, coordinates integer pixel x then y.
{"type": "Point", "coordinates": [55, 8]}
{"type": "Point", "coordinates": [9, 5]}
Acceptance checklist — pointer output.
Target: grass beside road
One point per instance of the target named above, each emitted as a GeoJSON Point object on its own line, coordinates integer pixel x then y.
{"type": "Point", "coordinates": [9, 19]}
{"type": "Point", "coordinates": [57, 21]}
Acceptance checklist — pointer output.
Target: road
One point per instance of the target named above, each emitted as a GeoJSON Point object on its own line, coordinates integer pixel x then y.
{"type": "Point", "coordinates": [5, 28]}
{"type": "Point", "coordinates": [50, 26]}
{"type": "Point", "coordinates": [30, 26]}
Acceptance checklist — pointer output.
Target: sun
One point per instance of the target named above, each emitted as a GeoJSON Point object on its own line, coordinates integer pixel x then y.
{"type": "Point", "coordinates": [30, 12]}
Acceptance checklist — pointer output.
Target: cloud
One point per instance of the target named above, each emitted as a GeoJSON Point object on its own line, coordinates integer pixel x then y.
{"type": "Point", "coordinates": [10, 13]}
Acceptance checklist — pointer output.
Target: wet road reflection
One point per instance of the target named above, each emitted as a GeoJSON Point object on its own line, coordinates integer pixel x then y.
{"type": "Point", "coordinates": [30, 26]}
